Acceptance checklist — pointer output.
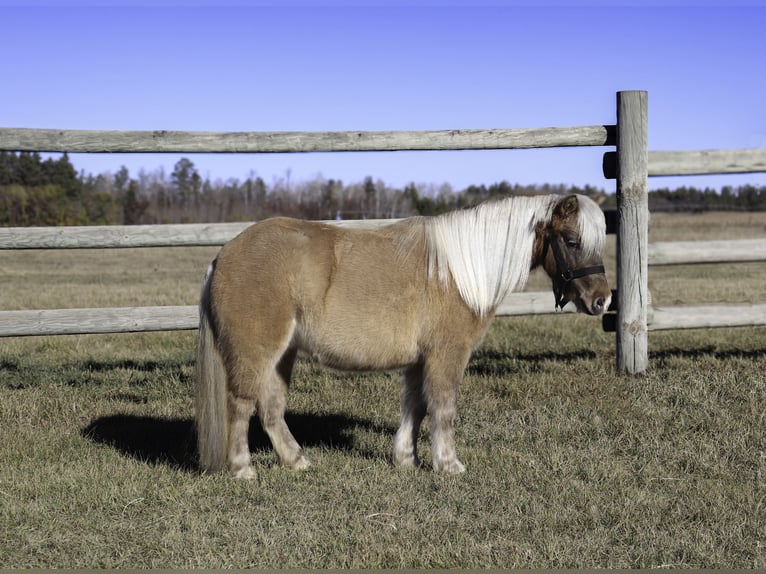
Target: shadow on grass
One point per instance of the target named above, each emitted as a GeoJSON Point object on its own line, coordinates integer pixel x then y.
{"type": "Point", "coordinates": [133, 365]}
{"type": "Point", "coordinates": [172, 442]}
{"type": "Point", "coordinates": [490, 362]}
{"type": "Point", "coordinates": [708, 351]}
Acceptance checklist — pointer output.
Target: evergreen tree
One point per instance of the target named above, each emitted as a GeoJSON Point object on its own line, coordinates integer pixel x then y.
{"type": "Point", "coordinates": [121, 180]}
{"type": "Point", "coordinates": [29, 170]}
{"type": "Point", "coordinates": [8, 162]}
{"type": "Point", "coordinates": [62, 174]}
{"type": "Point", "coordinates": [186, 181]}
{"type": "Point", "coordinates": [133, 206]}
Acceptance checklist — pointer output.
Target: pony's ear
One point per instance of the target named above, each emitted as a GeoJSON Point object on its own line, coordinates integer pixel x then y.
{"type": "Point", "coordinates": [567, 207]}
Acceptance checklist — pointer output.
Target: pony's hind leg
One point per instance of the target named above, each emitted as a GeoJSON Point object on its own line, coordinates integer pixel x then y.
{"type": "Point", "coordinates": [413, 412]}
{"type": "Point", "coordinates": [240, 410]}
{"type": "Point", "coordinates": [271, 410]}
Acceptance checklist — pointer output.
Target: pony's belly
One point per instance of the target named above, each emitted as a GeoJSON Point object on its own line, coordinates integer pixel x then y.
{"type": "Point", "coordinates": [360, 353]}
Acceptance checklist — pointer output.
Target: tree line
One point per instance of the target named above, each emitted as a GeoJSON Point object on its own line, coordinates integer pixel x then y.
{"type": "Point", "coordinates": [36, 191]}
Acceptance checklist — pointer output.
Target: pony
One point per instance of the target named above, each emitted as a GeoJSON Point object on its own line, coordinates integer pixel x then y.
{"type": "Point", "coordinates": [416, 295]}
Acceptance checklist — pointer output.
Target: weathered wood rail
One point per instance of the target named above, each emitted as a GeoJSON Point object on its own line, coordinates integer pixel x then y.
{"type": "Point", "coordinates": [696, 162]}
{"type": "Point", "coordinates": [116, 236]}
{"type": "Point", "coordinates": [94, 141]}
{"type": "Point", "coordinates": [691, 252]}
{"type": "Point", "coordinates": [182, 317]}
{"type": "Point", "coordinates": [706, 162]}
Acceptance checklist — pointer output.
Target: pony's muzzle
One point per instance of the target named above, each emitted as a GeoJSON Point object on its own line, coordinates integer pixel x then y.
{"type": "Point", "coordinates": [600, 304]}
{"type": "Point", "coordinates": [590, 299]}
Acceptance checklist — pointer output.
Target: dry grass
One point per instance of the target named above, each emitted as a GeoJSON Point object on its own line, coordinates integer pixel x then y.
{"type": "Point", "coordinates": [568, 464]}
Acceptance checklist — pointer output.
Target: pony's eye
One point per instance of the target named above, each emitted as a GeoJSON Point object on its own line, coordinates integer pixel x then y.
{"type": "Point", "coordinates": [573, 244]}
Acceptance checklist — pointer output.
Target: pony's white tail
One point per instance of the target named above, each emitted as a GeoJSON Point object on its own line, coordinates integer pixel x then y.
{"type": "Point", "coordinates": [210, 389]}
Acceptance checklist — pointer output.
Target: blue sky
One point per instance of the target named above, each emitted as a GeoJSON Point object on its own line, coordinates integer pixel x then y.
{"type": "Point", "coordinates": [355, 65]}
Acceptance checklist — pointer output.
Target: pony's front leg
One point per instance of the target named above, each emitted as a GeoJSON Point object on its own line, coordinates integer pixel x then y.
{"type": "Point", "coordinates": [413, 412]}
{"type": "Point", "coordinates": [441, 386]}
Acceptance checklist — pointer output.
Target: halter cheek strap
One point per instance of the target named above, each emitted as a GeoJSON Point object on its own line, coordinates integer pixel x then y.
{"type": "Point", "coordinates": [566, 273]}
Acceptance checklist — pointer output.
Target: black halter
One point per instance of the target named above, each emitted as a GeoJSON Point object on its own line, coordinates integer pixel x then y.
{"type": "Point", "coordinates": [566, 273]}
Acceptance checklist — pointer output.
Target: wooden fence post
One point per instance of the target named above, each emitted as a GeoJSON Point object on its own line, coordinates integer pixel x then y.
{"type": "Point", "coordinates": [632, 232]}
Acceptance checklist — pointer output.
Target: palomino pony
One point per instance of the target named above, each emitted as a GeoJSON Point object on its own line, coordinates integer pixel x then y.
{"type": "Point", "coordinates": [416, 295]}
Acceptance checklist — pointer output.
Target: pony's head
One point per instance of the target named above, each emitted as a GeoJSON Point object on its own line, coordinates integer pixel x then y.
{"type": "Point", "coordinates": [569, 247]}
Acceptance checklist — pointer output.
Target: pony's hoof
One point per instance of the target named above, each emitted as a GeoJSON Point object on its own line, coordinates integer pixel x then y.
{"type": "Point", "coordinates": [450, 467]}
{"type": "Point", "coordinates": [245, 473]}
{"type": "Point", "coordinates": [407, 462]}
{"type": "Point", "coordinates": [302, 463]}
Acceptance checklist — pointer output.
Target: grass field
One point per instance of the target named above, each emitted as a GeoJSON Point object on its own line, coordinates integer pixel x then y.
{"type": "Point", "coordinates": [568, 464]}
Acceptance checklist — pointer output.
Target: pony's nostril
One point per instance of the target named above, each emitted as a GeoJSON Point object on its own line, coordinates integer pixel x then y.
{"type": "Point", "coordinates": [599, 305]}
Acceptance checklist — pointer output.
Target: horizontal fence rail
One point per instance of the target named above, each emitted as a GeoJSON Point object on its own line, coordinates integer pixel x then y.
{"type": "Point", "coordinates": [707, 316]}
{"type": "Point", "coordinates": [696, 162]}
{"type": "Point", "coordinates": [93, 141]}
{"type": "Point", "coordinates": [97, 320]}
{"type": "Point", "coordinates": [698, 317]}
{"type": "Point", "coordinates": [692, 252]}
{"type": "Point", "coordinates": [707, 162]}
{"type": "Point", "coordinates": [115, 236]}
{"type": "Point", "coordinates": [185, 317]}
{"type": "Point", "coordinates": [212, 234]}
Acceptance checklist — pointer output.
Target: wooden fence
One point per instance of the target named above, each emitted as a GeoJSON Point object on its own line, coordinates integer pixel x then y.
{"type": "Point", "coordinates": [635, 316]}
{"type": "Point", "coordinates": [81, 321]}
{"type": "Point", "coordinates": [707, 316]}
{"type": "Point", "coordinates": [630, 165]}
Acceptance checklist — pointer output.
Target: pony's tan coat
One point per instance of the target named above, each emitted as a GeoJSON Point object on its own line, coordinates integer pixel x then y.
{"type": "Point", "coordinates": [351, 299]}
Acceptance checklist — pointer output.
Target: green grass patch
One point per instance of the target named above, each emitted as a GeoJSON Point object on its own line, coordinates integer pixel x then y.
{"type": "Point", "coordinates": [568, 464]}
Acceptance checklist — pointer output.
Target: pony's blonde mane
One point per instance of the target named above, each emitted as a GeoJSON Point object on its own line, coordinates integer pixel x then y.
{"type": "Point", "coordinates": [591, 225]}
{"type": "Point", "coordinates": [487, 249]}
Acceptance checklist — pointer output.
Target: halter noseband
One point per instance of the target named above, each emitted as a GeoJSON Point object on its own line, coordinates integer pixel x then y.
{"type": "Point", "coordinates": [566, 273]}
